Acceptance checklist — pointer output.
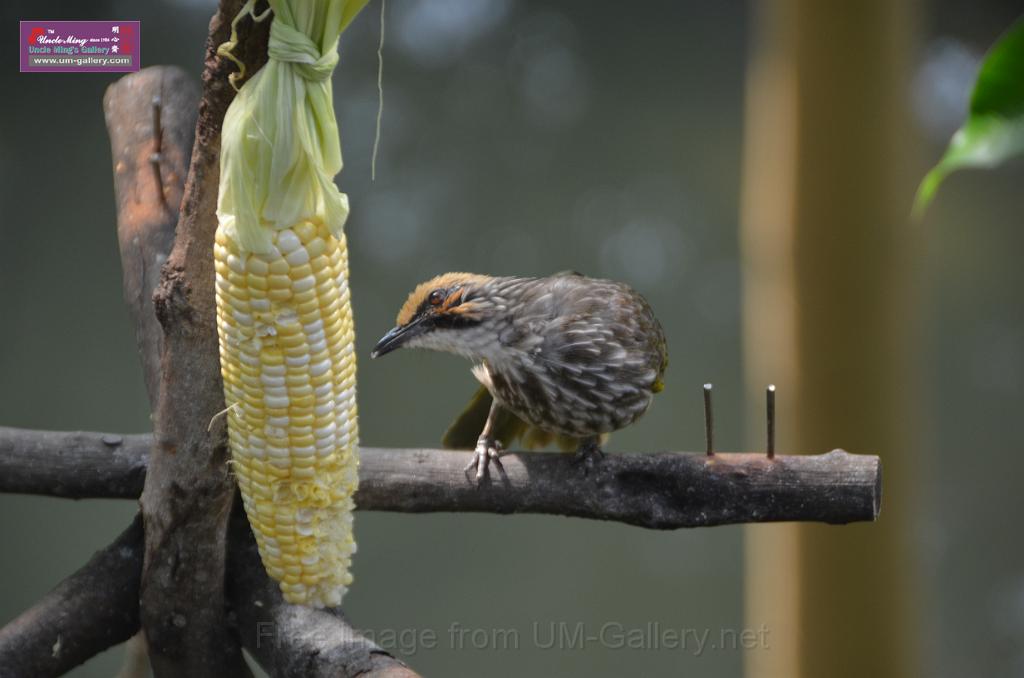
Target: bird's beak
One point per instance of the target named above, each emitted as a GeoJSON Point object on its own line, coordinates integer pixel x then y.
{"type": "Point", "coordinates": [396, 337]}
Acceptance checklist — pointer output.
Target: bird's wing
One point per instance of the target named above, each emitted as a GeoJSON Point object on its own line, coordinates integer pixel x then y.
{"type": "Point", "coordinates": [588, 329]}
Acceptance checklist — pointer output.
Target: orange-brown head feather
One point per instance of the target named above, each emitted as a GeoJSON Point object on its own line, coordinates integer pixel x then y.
{"type": "Point", "coordinates": [451, 286]}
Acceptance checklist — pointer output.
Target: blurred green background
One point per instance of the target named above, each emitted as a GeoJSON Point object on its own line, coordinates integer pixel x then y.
{"type": "Point", "coordinates": [526, 138]}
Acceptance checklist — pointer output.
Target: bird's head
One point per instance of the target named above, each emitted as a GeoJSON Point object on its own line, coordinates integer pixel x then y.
{"type": "Point", "coordinates": [442, 314]}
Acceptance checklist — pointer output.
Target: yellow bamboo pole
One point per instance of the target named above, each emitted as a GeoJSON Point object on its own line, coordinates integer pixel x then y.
{"type": "Point", "coordinates": [828, 318]}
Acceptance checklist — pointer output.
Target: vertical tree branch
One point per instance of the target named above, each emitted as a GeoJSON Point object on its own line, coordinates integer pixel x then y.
{"type": "Point", "coordinates": [151, 117]}
{"type": "Point", "coordinates": [188, 492]}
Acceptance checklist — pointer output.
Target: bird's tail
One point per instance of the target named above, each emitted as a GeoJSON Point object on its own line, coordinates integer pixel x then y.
{"type": "Point", "coordinates": [508, 428]}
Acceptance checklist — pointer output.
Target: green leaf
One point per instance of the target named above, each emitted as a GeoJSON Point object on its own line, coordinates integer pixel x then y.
{"type": "Point", "coordinates": [994, 130]}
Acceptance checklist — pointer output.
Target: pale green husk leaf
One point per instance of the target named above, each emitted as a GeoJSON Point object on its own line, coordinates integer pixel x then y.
{"type": "Point", "coordinates": [280, 148]}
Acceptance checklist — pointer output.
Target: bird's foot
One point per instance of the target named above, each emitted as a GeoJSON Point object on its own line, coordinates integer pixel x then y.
{"type": "Point", "coordinates": [588, 454]}
{"type": "Point", "coordinates": [487, 448]}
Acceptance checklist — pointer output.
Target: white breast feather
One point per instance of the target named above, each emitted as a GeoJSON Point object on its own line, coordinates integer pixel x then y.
{"type": "Point", "coordinates": [483, 376]}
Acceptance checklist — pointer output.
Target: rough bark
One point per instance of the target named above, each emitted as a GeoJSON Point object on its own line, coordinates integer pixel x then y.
{"type": "Point", "coordinates": [661, 491]}
{"type": "Point", "coordinates": [73, 464]}
{"type": "Point", "coordinates": [151, 117]}
{"type": "Point", "coordinates": [93, 609]}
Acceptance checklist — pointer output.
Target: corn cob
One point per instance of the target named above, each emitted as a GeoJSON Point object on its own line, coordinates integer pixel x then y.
{"type": "Point", "coordinates": [288, 364]}
{"type": "Point", "coordinates": [283, 311]}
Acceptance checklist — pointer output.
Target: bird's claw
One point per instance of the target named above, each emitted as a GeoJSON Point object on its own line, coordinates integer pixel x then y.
{"type": "Point", "coordinates": [487, 449]}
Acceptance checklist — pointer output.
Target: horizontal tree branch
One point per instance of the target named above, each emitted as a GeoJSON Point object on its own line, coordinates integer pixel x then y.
{"type": "Point", "coordinates": [663, 491]}
{"type": "Point", "coordinates": [73, 464]}
{"type": "Point", "coordinates": [93, 609]}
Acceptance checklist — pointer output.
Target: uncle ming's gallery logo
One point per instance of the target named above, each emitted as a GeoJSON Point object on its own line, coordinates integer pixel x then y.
{"type": "Point", "coordinates": [96, 46]}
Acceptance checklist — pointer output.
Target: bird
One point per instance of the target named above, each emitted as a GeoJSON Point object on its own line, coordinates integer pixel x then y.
{"type": "Point", "coordinates": [562, 358]}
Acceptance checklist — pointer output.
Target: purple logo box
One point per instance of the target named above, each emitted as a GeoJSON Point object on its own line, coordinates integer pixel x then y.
{"type": "Point", "coordinates": [80, 46]}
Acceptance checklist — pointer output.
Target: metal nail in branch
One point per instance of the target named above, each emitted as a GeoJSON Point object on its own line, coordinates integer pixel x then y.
{"type": "Point", "coordinates": [709, 422]}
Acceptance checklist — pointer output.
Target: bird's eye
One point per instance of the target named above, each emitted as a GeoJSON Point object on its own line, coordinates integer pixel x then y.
{"type": "Point", "coordinates": [436, 297]}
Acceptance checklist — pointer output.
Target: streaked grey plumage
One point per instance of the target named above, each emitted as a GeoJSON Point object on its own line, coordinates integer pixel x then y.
{"type": "Point", "coordinates": [571, 355]}
{"type": "Point", "coordinates": [574, 356]}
